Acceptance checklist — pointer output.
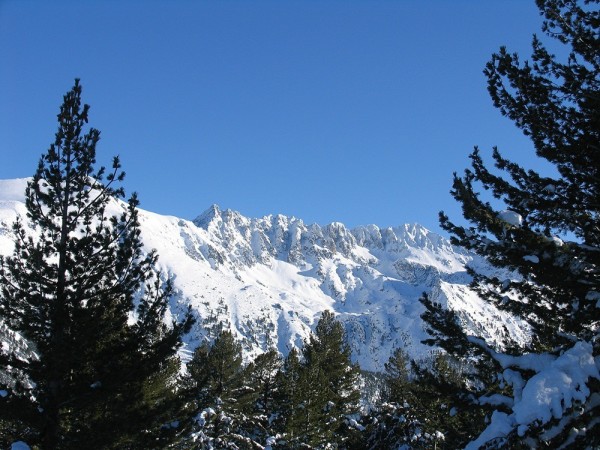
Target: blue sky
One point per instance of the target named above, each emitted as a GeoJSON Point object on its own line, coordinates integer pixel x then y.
{"type": "Point", "coordinates": [349, 111]}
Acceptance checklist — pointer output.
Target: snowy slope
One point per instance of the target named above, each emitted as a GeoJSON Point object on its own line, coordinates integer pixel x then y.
{"type": "Point", "coordinates": [270, 278]}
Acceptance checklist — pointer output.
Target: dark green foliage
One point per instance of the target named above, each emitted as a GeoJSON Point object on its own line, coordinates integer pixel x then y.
{"type": "Point", "coordinates": [397, 377]}
{"type": "Point", "coordinates": [289, 396]}
{"type": "Point", "coordinates": [424, 405]}
{"type": "Point", "coordinates": [216, 375]}
{"type": "Point", "coordinates": [96, 379]}
{"type": "Point", "coordinates": [290, 403]}
{"type": "Point", "coordinates": [259, 393]}
{"type": "Point", "coordinates": [222, 368]}
{"type": "Point", "coordinates": [395, 425]}
{"type": "Point", "coordinates": [445, 329]}
{"type": "Point", "coordinates": [448, 334]}
{"type": "Point", "coordinates": [250, 419]}
{"type": "Point", "coordinates": [392, 423]}
{"type": "Point", "coordinates": [556, 281]}
{"type": "Point", "coordinates": [558, 106]}
{"type": "Point", "coordinates": [442, 400]}
{"type": "Point", "coordinates": [326, 394]}
{"type": "Point", "coordinates": [198, 366]}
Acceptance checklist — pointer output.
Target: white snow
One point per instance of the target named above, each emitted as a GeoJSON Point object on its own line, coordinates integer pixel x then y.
{"type": "Point", "coordinates": [532, 259]}
{"type": "Point", "coordinates": [13, 190]}
{"type": "Point", "coordinates": [554, 389]}
{"type": "Point", "coordinates": [558, 384]}
{"type": "Point", "coordinates": [269, 279]}
{"type": "Point", "coordinates": [511, 218]}
{"type": "Point", "coordinates": [271, 440]}
{"type": "Point", "coordinates": [593, 296]}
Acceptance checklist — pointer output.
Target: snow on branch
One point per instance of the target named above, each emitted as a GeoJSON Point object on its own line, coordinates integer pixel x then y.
{"type": "Point", "coordinates": [560, 382]}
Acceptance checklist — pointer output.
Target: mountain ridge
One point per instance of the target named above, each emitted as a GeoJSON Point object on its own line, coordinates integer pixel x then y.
{"type": "Point", "coordinates": [268, 279]}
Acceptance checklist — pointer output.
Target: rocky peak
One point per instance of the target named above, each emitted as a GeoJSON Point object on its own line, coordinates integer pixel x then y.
{"type": "Point", "coordinates": [213, 213]}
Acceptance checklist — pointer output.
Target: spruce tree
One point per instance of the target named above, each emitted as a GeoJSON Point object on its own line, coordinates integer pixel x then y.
{"type": "Point", "coordinates": [545, 236]}
{"type": "Point", "coordinates": [90, 304]}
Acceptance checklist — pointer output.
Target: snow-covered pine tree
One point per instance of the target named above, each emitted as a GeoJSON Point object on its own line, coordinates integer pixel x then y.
{"type": "Point", "coordinates": [547, 234]}
{"type": "Point", "coordinates": [90, 305]}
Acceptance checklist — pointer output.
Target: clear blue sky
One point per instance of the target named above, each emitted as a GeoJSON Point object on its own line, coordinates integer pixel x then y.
{"type": "Point", "coordinates": [349, 111]}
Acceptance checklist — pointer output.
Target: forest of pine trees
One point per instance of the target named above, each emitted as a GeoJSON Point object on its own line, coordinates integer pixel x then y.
{"type": "Point", "coordinates": [91, 362]}
{"type": "Point", "coordinates": [307, 400]}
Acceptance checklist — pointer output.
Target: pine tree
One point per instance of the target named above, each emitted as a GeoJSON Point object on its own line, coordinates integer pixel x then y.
{"type": "Point", "coordinates": [289, 397]}
{"type": "Point", "coordinates": [95, 377]}
{"type": "Point", "coordinates": [245, 414]}
{"type": "Point", "coordinates": [546, 235]}
{"type": "Point", "coordinates": [441, 394]}
{"type": "Point", "coordinates": [254, 412]}
{"type": "Point", "coordinates": [397, 376]}
{"type": "Point", "coordinates": [424, 405]}
{"type": "Point", "coordinates": [327, 392]}
{"type": "Point", "coordinates": [257, 401]}
{"type": "Point", "coordinates": [225, 363]}
{"type": "Point", "coordinates": [391, 424]}
{"type": "Point", "coordinates": [216, 372]}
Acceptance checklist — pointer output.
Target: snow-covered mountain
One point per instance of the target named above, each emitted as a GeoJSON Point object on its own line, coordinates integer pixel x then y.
{"type": "Point", "coordinates": [270, 278]}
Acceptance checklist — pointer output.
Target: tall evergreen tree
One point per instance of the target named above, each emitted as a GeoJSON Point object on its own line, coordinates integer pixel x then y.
{"type": "Point", "coordinates": [327, 392]}
{"type": "Point", "coordinates": [223, 367]}
{"type": "Point", "coordinates": [547, 233]}
{"type": "Point", "coordinates": [237, 406]}
{"type": "Point", "coordinates": [397, 377]}
{"type": "Point", "coordinates": [289, 396]}
{"type": "Point", "coordinates": [259, 393]}
{"type": "Point", "coordinates": [216, 372]}
{"type": "Point", "coordinates": [391, 424]}
{"type": "Point", "coordinates": [87, 299]}
{"type": "Point", "coordinates": [424, 407]}
{"type": "Point", "coordinates": [256, 408]}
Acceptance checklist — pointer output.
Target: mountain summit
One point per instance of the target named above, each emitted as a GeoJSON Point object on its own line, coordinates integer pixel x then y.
{"type": "Point", "coordinates": [268, 279]}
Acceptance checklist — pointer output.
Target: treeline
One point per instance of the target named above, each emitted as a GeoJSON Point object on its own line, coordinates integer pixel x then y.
{"type": "Point", "coordinates": [311, 399]}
